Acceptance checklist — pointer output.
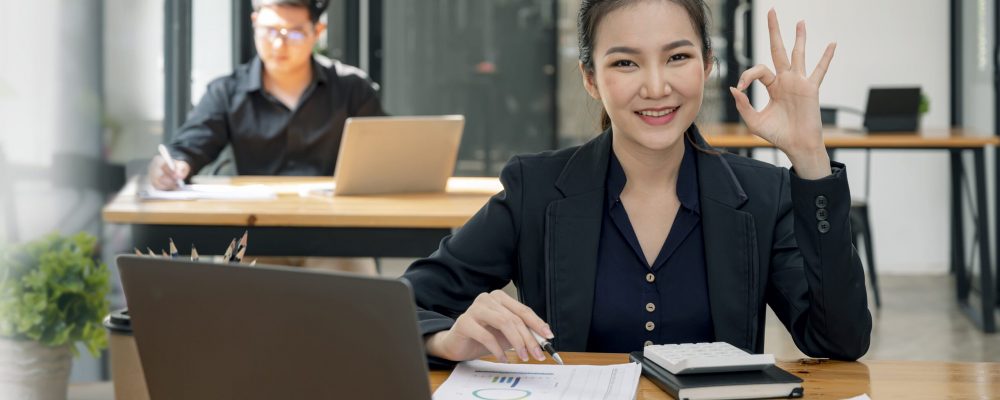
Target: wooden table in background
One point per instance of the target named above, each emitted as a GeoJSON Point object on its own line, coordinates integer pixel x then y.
{"type": "Point", "coordinates": [737, 136]}
{"type": "Point", "coordinates": [823, 379]}
{"type": "Point", "coordinates": [402, 225]}
{"type": "Point", "coordinates": [955, 142]}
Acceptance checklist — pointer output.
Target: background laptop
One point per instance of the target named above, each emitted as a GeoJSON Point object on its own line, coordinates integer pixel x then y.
{"type": "Point", "coordinates": [397, 154]}
{"type": "Point", "coordinates": [208, 331]}
{"type": "Point", "coordinates": [892, 109]}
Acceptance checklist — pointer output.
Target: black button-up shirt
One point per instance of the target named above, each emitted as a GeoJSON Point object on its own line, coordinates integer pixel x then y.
{"type": "Point", "coordinates": [267, 137]}
{"type": "Point", "coordinates": [667, 302]}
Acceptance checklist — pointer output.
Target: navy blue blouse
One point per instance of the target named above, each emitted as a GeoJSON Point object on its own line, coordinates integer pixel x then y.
{"type": "Point", "coordinates": [636, 304]}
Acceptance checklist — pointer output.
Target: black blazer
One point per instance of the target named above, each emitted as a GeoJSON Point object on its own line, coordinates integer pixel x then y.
{"type": "Point", "coordinates": [766, 242]}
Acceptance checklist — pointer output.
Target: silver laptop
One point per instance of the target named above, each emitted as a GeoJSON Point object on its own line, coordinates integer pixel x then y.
{"type": "Point", "coordinates": [208, 331]}
{"type": "Point", "coordinates": [381, 155]}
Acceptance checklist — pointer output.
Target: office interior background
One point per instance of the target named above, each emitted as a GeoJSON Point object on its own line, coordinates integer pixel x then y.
{"type": "Point", "coordinates": [88, 88]}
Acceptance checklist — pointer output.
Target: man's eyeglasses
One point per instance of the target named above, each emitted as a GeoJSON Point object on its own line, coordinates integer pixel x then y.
{"type": "Point", "coordinates": [289, 35]}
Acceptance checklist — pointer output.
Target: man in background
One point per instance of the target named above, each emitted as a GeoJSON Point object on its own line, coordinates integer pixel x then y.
{"type": "Point", "coordinates": [283, 112]}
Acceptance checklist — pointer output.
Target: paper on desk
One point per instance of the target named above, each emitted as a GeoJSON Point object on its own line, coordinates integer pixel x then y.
{"type": "Point", "coordinates": [487, 380]}
{"type": "Point", "coordinates": [210, 192]}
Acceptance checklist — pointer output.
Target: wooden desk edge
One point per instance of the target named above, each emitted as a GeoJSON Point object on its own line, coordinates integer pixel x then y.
{"type": "Point", "coordinates": [466, 196]}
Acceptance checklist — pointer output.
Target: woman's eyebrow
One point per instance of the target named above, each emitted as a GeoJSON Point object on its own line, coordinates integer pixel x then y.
{"type": "Point", "coordinates": [632, 50]}
{"type": "Point", "coordinates": [676, 44]}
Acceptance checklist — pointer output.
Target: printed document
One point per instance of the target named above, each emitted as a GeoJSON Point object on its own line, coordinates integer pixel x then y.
{"type": "Point", "coordinates": [210, 192]}
{"type": "Point", "coordinates": [487, 380]}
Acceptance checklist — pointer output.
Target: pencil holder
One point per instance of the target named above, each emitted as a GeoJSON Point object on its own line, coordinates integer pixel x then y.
{"type": "Point", "coordinates": [126, 371]}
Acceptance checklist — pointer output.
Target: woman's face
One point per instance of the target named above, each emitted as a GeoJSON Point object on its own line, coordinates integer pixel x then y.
{"type": "Point", "coordinates": [648, 72]}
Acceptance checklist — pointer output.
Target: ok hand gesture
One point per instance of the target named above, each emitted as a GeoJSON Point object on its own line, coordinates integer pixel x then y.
{"type": "Point", "coordinates": [791, 120]}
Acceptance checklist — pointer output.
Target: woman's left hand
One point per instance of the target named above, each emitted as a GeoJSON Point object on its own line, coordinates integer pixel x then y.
{"type": "Point", "coordinates": [791, 120]}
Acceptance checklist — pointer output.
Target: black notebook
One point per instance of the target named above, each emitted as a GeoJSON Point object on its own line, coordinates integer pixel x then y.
{"type": "Point", "coordinates": [771, 382]}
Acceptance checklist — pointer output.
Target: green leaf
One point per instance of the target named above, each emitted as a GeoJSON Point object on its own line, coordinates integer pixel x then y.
{"type": "Point", "coordinates": [52, 290]}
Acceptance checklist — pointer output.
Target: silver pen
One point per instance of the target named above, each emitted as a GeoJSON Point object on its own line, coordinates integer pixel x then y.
{"type": "Point", "coordinates": [547, 346]}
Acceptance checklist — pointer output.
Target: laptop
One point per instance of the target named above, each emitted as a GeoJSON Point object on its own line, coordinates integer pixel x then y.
{"type": "Point", "coordinates": [380, 155]}
{"type": "Point", "coordinates": [210, 331]}
{"type": "Point", "coordinates": [892, 109]}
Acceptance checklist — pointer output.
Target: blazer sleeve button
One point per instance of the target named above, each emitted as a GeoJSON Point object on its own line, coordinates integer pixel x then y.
{"type": "Point", "coordinates": [823, 226]}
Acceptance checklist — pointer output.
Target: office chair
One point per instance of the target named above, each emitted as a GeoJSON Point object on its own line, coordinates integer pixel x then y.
{"type": "Point", "coordinates": [860, 221]}
{"type": "Point", "coordinates": [86, 175]}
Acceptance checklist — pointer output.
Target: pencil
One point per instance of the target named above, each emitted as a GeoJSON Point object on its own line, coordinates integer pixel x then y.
{"type": "Point", "coordinates": [240, 248]}
{"type": "Point", "coordinates": [229, 251]}
{"type": "Point", "coordinates": [173, 249]}
{"type": "Point", "coordinates": [194, 253]}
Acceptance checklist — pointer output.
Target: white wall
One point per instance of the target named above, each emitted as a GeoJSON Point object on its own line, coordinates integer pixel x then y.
{"type": "Point", "coordinates": [134, 77]}
{"type": "Point", "coordinates": [27, 129]}
{"type": "Point", "coordinates": [50, 105]}
{"type": "Point", "coordinates": [883, 42]}
{"type": "Point", "coordinates": [211, 44]}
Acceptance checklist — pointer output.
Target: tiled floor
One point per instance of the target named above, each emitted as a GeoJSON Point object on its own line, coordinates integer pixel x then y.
{"type": "Point", "coordinates": [919, 320]}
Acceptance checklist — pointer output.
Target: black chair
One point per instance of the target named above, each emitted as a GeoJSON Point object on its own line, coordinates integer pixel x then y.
{"type": "Point", "coordinates": [860, 221]}
{"type": "Point", "coordinates": [86, 174]}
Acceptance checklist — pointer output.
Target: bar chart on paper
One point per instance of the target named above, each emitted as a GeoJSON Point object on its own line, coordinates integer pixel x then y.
{"type": "Point", "coordinates": [492, 381]}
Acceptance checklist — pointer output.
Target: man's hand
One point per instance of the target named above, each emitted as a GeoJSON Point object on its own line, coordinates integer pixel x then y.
{"type": "Point", "coordinates": [161, 177]}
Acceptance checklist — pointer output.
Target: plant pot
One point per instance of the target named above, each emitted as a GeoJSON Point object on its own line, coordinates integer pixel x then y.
{"type": "Point", "coordinates": [32, 371]}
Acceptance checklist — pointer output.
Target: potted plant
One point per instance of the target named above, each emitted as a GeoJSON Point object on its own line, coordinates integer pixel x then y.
{"type": "Point", "coordinates": [925, 104]}
{"type": "Point", "coordinates": [52, 295]}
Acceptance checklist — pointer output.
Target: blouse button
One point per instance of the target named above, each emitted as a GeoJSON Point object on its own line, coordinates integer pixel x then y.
{"type": "Point", "coordinates": [647, 343]}
{"type": "Point", "coordinates": [650, 277]}
{"type": "Point", "coordinates": [650, 307]}
{"type": "Point", "coordinates": [650, 326]}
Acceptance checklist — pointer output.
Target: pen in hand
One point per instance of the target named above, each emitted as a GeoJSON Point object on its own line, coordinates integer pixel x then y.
{"type": "Point", "coordinates": [547, 346]}
{"type": "Point", "coordinates": [170, 163]}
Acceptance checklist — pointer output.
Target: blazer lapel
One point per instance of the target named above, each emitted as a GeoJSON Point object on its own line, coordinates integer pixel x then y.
{"type": "Point", "coordinates": [730, 248]}
{"type": "Point", "coordinates": [572, 235]}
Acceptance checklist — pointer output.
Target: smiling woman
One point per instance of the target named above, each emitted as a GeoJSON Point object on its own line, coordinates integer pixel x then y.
{"type": "Point", "coordinates": [646, 235]}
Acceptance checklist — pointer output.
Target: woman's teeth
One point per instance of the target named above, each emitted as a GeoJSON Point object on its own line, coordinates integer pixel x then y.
{"type": "Point", "coordinates": [657, 113]}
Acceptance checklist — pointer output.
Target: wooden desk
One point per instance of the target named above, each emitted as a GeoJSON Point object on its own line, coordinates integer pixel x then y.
{"type": "Point", "coordinates": [956, 142]}
{"type": "Point", "coordinates": [823, 380]}
{"type": "Point", "coordinates": [839, 380]}
{"type": "Point", "coordinates": [737, 136]}
{"type": "Point", "coordinates": [317, 224]}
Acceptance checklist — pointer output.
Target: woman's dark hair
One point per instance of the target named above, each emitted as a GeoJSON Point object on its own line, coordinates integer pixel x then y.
{"type": "Point", "coordinates": [315, 7]}
{"type": "Point", "coordinates": [593, 11]}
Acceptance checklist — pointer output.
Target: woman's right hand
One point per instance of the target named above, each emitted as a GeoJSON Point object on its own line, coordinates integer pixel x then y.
{"type": "Point", "coordinates": [494, 322]}
{"type": "Point", "coordinates": [161, 177]}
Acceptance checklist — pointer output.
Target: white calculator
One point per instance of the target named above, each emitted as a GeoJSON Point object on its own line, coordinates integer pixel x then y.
{"type": "Point", "coordinates": [694, 358]}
